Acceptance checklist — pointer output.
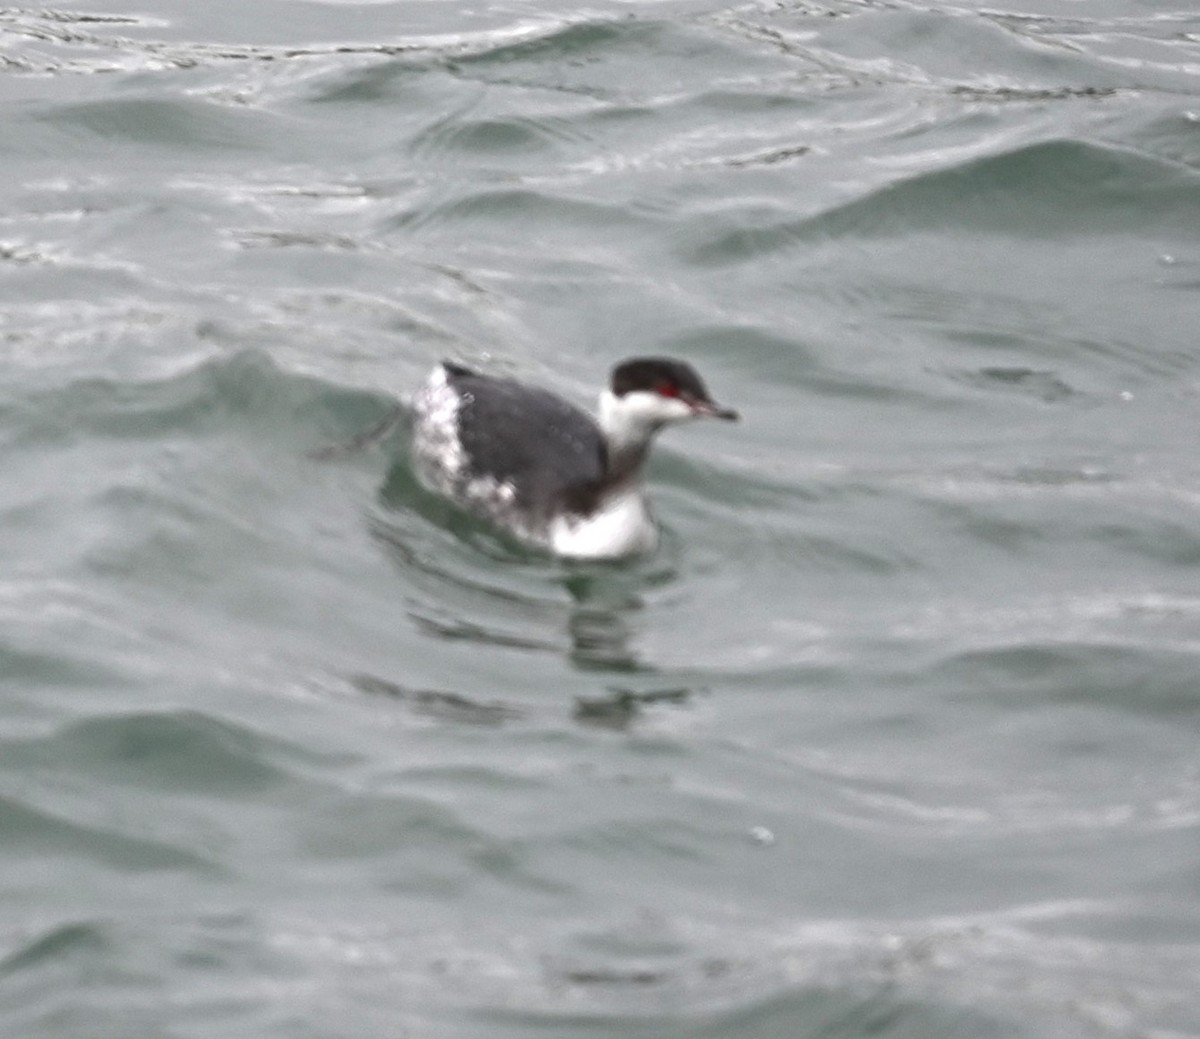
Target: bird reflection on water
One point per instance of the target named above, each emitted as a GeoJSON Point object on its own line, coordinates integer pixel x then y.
{"type": "Point", "coordinates": [518, 605]}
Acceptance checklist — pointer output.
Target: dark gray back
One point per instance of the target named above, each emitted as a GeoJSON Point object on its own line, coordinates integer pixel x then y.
{"type": "Point", "coordinates": [543, 444]}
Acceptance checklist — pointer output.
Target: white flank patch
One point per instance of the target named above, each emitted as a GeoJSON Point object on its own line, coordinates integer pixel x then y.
{"type": "Point", "coordinates": [491, 496]}
{"type": "Point", "coordinates": [436, 447]}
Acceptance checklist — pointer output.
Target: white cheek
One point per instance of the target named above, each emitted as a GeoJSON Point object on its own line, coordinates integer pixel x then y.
{"type": "Point", "coordinates": [651, 409]}
{"type": "Point", "coordinates": [637, 416]}
{"type": "Point", "coordinates": [680, 411]}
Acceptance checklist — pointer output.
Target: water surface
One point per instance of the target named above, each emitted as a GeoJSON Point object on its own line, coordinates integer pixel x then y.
{"type": "Point", "coordinates": [894, 735]}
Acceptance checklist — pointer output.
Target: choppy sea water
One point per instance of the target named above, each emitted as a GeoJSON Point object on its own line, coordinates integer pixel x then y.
{"type": "Point", "coordinates": [895, 735]}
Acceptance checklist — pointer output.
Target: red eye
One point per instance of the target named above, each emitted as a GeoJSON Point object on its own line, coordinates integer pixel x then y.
{"type": "Point", "coordinates": [667, 389]}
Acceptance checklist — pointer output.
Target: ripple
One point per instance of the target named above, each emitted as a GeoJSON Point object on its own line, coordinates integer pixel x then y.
{"type": "Point", "coordinates": [566, 41]}
{"type": "Point", "coordinates": [444, 706]}
{"type": "Point", "coordinates": [1043, 385]}
{"type": "Point", "coordinates": [177, 750]}
{"type": "Point", "coordinates": [1050, 189]}
{"type": "Point", "coordinates": [488, 138]}
{"type": "Point", "coordinates": [1024, 970]}
{"type": "Point", "coordinates": [30, 832]}
{"type": "Point", "coordinates": [541, 211]}
{"type": "Point", "coordinates": [81, 43]}
{"type": "Point", "coordinates": [460, 630]}
{"type": "Point", "coordinates": [245, 386]}
{"type": "Point", "coordinates": [296, 239]}
{"type": "Point", "coordinates": [63, 942]}
{"type": "Point", "coordinates": [1099, 673]}
{"type": "Point", "coordinates": [179, 123]}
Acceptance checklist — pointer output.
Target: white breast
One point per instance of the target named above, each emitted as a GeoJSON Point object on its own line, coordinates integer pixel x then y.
{"type": "Point", "coordinates": [622, 526]}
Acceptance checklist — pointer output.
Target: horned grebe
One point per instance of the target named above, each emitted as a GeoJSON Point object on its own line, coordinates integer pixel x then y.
{"type": "Point", "coordinates": [543, 469]}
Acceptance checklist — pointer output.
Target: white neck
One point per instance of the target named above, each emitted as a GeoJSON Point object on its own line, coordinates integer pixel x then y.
{"type": "Point", "coordinates": [625, 426]}
{"type": "Point", "coordinates": [629, 424]}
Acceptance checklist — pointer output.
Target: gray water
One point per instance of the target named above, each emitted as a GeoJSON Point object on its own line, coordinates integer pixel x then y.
{"type": "Point", "coordinates": [896, 733]}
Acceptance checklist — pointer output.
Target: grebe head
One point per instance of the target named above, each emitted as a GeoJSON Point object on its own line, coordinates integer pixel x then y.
{"type": "Point", "coordinates": [647, 393]}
